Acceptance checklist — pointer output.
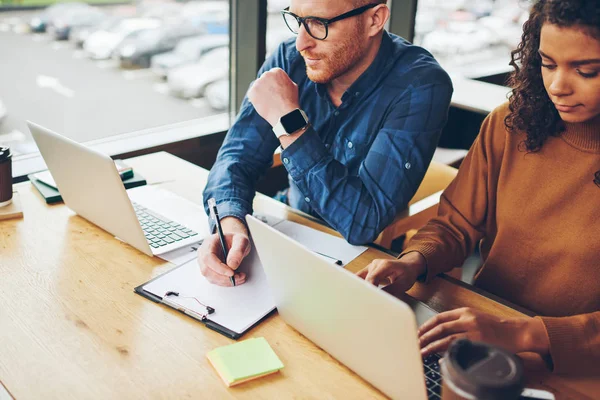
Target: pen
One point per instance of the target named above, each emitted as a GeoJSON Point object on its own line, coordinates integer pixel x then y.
{"type": "Point", "coordinates": [338, 262]}
{"type": "Point", "coordinates": [212, 206]}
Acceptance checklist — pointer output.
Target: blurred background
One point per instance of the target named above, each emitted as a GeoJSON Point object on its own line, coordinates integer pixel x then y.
{"type": "Point", "coordinates": [101, 69]}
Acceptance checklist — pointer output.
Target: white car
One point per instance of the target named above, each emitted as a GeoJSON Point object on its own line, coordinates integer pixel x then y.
{"type": "Point", "coordinates": [210, 9]}
{"type": "Point", "coordinates": [80, 34]}
{"type": "Point", "coordinates": [191, 80]}
{"type": "Point", "coordinates": [459, 38]}
{"type": "Point", "coordinates": [187, 51]}
{"type": "Point", "coordinates": [213, 16]}
{"type": "Point", "coordinates": [3, 111]}
{"type": "Point", "coordinates": [217, 95]}
{"type": "Point", "coordinates": [100, 45]}
{"type": "Point", "coordinates": [164, 10]}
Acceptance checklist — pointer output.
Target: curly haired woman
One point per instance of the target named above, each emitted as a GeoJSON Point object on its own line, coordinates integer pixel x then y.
{"type": "Point", "coordinates": [529, 194]}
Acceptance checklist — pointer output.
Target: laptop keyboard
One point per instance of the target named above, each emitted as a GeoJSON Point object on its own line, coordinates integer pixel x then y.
{"type": "Point", "coordinates": [433, 377]}
{"type": "Point", "coordinates": [159, 230]}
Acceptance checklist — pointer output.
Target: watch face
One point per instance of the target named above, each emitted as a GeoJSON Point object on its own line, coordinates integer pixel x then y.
{"type": "Point", "coordinates": [293, 121]}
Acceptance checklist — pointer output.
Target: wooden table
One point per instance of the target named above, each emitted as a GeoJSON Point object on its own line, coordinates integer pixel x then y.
{"type": "Point", "coordinates": [71, 326]}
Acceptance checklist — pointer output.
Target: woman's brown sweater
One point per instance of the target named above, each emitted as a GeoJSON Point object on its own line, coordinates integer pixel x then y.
{"type": "Point", "coordinates": [537, 216]}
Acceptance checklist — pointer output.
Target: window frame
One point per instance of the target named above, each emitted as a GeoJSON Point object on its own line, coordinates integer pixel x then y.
{"type": "Point", "coordinates": [403, 14]}
{"type": "Point", "coordinates": [142, 141]}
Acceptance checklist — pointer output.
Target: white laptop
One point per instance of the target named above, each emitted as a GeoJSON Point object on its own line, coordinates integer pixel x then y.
{"type": "Point", "coordinates": [150, 219]}
{"type": "Point", "coordinates": [368, 330]}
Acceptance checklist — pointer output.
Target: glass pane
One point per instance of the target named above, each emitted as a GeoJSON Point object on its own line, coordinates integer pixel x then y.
{"type": "Point", "coordinates": [472, 38]}
{"type": "Point", "coordinates": [277, 30]}
{"type": "Point", "coordinates": [91, 72]}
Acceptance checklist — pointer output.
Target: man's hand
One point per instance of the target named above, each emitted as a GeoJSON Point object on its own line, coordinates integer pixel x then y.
{"type": "Point", "coordinates": [403, 273]}
{"type": "Point", "coordinates": [273, 95]}
{"type": "Point", "coordinates": [513, 334]}
{"type": "Point", "coordinates": [210, 254]}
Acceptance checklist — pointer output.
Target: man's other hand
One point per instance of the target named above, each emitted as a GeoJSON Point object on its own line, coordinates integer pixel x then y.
{"type": "Point", "coordinates": [273, 95]}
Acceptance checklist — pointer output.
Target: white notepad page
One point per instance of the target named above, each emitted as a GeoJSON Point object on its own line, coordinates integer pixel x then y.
{"type": "Point", "coordinates": [317, 241]}
{"type": "Point", "coordinates": [320, 242]}
{"type": "Point", "coordinates": [236, 308]}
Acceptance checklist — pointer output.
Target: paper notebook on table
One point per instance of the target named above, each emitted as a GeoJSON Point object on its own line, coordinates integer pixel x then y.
{"type": "Point", "coordinates": [244, 361]}
{"type": "Point", "coordinates": [236, 309]}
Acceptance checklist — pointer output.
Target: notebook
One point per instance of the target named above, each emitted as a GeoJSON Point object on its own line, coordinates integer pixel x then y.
{"type": "Point", "coordinates": [235, 309]}
{"type": "Point", "coordinates": [125, 172]}
{"type": "Point", "coordinates": [232, 311]}
{"type": "Point", "coordinates": [244, 361]}
{"type": "Point", "coordinates": [51, 194]}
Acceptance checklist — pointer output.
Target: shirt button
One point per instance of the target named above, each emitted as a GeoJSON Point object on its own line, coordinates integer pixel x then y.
{"type": "Point", "coordinates": [307, 199]}
{"type": "Point", "coordinates": [285, 160]}
{"type": "Point", "coordinates": [350, 145]}
{"type": "Point", "coordinates": [357, 93]}
{"type": "Point", "coordinates": [407, 165]}
{"type": "Point", "coordinates": [326, 145]}
{"type": "Point", "coordinates": [336, 113]}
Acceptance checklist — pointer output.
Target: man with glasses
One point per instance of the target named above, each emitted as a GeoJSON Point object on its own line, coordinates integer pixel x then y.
{"type": "Point", "coordinates": [357, 112]}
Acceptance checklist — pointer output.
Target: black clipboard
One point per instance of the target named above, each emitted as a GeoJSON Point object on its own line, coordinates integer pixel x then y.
{"type": "Point", "coordinates": [198, 317]}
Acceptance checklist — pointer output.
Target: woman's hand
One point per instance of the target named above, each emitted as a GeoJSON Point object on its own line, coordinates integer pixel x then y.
{"type": "Point", "coordinates": [403, 272]}
{"type": "Point", "coordinates": [513, 334]}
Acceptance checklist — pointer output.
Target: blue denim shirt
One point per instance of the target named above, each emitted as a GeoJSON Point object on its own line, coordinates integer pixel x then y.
{"type": "Point", "coordinates": [360, 163]}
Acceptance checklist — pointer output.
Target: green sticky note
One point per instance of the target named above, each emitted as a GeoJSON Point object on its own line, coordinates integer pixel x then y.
{"type": "Point", "coordinates": [244, 361]}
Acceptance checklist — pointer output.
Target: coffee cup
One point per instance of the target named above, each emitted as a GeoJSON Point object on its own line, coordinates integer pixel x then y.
{"type": "Point", "coordinates": [478, 371]}
{"type": "Point", "coordinates": [5, 176]}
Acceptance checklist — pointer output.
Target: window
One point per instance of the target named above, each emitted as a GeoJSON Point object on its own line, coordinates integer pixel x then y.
{"type": "Point", "coordinates": [472, 38]}
{"type": "Point", "coordinates": [117, 77]}
{"type": "Point", "coordinates": [277, 31]}
{"type": "Point", "coordinates": [127, 77]}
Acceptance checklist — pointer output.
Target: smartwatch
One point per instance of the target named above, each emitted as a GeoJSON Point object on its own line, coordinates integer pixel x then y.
{"type": "Point", "coordinates": [291, 122]}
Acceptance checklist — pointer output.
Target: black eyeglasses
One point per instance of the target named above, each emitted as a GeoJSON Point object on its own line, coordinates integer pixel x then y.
{"type": "Point", "coordinates": [317, 27]}
{"type": "Point", "coordinates": [597, 178]}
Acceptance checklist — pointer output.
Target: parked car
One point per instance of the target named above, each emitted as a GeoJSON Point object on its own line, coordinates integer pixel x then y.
{"type": "Point", "coordinates": [102, 44]}
{"type": "Point", "coordinates": [459, 38]}
{"type": "Point", "coordinates": [164, 10]}
{"type": "Point", "coordinates": [14, 24]}
{"type": "Point", "coordinates": [41, 22]}
{"type": "Point", "coordinates": [78, 18]}
{"type": "Point", "coordinates": [205, 8]}
{"type": "Point", "coordinates": [212, 15]}
{"type": "Point", "coordinates": [3, 111]}
{"type": "Point", "coordinates": [137, 51]}
{"type": "Point", "coordinates": [116, 15]}
{"type": "Point", "coordinates": [79, 35]}
{"type": "Point", "coordinates": [191, 80]}
{"type": "Point", "coordinates": [187, 51]}
{"type": "Point", "coordinates": [217, 95]}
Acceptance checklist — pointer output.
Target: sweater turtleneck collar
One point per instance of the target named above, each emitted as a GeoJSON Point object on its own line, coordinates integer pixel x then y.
{"type": "Point", "coordinates": [583, 135]}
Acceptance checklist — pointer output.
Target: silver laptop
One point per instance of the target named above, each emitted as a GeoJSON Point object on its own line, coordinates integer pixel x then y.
{"type": "Point", "coordinates": [150, 219]}
{"type": "Point", "coordinates": [368, 330]}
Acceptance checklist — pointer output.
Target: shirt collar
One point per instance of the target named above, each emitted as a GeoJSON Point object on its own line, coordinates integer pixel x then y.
{"type": "Point", "coordinates": [321, 90]}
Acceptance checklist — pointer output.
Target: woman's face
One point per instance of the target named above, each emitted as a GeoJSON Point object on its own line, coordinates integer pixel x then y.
{"type": "Point", "coordinates": [571, 71]}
